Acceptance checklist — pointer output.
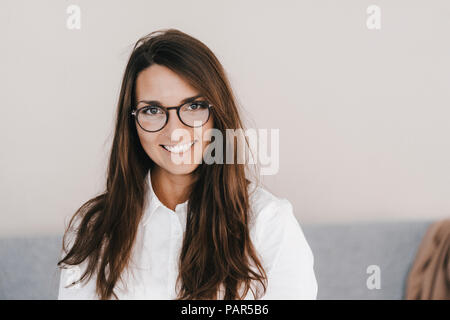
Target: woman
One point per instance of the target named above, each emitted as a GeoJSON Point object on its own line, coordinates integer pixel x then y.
{"type": "Point", "coordinates": [170, 229]}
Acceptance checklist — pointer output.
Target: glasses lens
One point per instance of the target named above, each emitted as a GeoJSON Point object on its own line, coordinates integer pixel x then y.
{"type": "Point", "coordinates": [195, 113]}
{"type": "Point", "coordinates": [152, 118]}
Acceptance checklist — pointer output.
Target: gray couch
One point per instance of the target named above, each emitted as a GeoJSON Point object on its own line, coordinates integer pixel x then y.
{"type": "Point", "coordinates": [342, 253]}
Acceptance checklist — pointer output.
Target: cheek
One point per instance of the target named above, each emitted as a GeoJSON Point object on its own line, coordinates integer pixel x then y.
{"type": "Point", "coordinates": [207, 137]}
{"type": "Point", "coordinates": [148, 141]}
{"type": "Point", "coordinates": [206, 133]}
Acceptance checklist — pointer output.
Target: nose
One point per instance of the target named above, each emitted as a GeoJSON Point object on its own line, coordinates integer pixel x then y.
{"type": "Point", "coordinates": [173, 123]}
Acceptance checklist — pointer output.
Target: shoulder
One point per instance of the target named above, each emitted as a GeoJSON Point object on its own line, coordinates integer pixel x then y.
{"type": "Point", "coordinates": [274, 227]}
{"type": "Point", "coordinates": [268, 212]}
{"type": "Point", "coordinates": [281, 244]}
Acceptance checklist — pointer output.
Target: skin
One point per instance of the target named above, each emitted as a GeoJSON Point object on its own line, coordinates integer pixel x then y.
{"type": "Point", "coordinates": [170, 180]}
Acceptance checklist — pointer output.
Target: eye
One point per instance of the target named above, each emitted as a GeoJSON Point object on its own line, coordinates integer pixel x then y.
{"type": "Point", "coordinates": [153, 110]}
{"type": "Point", "coordinates": [194, 106]}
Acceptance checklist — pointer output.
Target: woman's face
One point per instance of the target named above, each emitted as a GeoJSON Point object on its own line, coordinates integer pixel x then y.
{"type": "Point", "coordinates": [159, 83]}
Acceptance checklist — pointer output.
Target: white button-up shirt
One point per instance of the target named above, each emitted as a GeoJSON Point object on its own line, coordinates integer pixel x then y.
{"type": "Point", "coordinates": [274, 231]}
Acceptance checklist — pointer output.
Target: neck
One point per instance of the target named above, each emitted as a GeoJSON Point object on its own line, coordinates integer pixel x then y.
{"type": "Point", "coordinates": [171, 189]}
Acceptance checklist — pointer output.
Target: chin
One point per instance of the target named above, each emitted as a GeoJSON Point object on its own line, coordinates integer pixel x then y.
{"type": "Point", "coordinates": [179, 169]}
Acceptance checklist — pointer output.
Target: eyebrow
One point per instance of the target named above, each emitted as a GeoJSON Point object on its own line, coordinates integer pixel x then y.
{"type": "Point", "coordinates": [156, 102]}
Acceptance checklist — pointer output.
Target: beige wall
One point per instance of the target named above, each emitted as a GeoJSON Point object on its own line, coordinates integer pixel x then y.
{"type": "Point", "coordinates": [363, 114]}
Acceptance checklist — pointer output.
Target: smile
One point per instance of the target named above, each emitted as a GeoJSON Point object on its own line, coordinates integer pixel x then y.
{"type": "Point", "coordinates": [179, 148]}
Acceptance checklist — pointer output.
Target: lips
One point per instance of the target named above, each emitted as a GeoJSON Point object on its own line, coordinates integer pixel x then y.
{"type": "Point", "coordinates": [179, 148]}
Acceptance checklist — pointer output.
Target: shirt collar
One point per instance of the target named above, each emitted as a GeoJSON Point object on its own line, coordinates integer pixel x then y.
{"type": "Point", "coordinates": [154, 203]}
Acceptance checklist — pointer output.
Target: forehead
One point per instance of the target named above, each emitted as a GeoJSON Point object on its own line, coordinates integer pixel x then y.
{"type": "Point", "coordinates": [162, 84]}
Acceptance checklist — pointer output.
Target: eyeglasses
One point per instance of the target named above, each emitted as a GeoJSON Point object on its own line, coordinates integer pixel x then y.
{"type": "Point", "coordinates": [153, 118]}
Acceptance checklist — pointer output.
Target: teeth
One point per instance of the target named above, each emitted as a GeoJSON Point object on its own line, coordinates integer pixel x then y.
{"type": "Point", "coordinates": [182, 147]}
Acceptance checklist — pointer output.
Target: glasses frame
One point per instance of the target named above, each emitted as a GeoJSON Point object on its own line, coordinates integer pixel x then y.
{"type": "Point", "coordinates": [135, 113]}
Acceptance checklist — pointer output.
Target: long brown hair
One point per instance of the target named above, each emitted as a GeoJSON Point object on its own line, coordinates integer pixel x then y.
{"type": "Point", "coordinates": [217, 252]}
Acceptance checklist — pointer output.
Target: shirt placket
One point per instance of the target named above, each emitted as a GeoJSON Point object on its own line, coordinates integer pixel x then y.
{"type": "Point", "coordinates": [175, 246]}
